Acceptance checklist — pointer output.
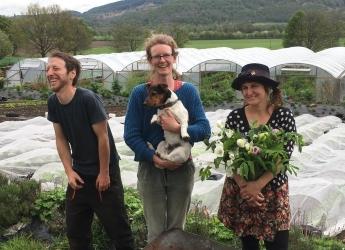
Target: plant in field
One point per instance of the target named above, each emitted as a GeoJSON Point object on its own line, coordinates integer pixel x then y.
{"type": "Point", "coordinates": [135, 212]}
{"type": "Point", "coordinates": [49, 208]}
{"type": "Point", "coordinates": [200, 221]}
{"type": "Point", "coordinates": [16, 201]}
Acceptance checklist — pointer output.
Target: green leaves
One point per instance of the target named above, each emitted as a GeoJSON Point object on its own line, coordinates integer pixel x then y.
{"type": "Point", "coordinates": [263, 149]}
{"type": "Point", "coordinates": [49, 203]}
{"type": "Point", "coordinates": [204, 173]}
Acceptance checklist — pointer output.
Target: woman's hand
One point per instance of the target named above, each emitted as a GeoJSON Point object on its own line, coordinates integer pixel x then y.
{"type": "Point", "coordinates": [160, 163]}
{"type": "Point", "coordinates": [251, 192]}
{"type": "Point", "coordinates": [257, 201]}
{"type": "Point", "coordinates": [169, 123]}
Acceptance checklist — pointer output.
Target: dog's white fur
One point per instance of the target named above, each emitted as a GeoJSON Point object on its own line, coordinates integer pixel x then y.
{"type": "Point", "coordinates": [168, 149]}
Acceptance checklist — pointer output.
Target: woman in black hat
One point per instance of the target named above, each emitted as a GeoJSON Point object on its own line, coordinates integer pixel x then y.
{"type": "Point", "coordinates": [258, 210]}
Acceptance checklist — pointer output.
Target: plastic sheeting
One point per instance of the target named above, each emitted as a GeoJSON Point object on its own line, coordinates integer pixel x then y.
{"type": "Point", "coordinates": [106, 66]}
{"type": "Point", "coordinates": [317, 194]}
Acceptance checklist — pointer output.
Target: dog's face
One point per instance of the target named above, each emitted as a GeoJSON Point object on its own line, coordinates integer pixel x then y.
{"type": "Point", "coordinates": [158, 95]}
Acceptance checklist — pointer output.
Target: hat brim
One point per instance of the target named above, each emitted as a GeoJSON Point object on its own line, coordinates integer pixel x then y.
{"type": "Point", "coordinates": [237, 83]}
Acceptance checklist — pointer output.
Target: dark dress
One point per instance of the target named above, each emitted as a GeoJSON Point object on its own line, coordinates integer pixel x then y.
{"type": "Point", "coordinates": [274, 215]}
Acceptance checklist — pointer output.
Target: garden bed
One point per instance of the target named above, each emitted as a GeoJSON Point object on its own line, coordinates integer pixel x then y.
{"type": "Point", "coordinates": [23, 110]}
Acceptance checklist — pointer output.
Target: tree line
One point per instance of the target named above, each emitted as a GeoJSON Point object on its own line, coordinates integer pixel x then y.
{"type": "Point", "coordinates": [44, 29]}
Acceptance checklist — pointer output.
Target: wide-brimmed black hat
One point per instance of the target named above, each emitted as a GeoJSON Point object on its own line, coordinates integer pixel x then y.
{"type": "Point", "coordinates": [254, 72]}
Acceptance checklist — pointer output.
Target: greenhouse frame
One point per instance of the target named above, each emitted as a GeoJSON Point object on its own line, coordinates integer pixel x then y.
{"type": "Point", "coordinates": [326, 66]}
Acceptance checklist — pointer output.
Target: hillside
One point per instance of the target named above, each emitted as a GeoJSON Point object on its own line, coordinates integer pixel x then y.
{"type": "Point", "coordinates": [203, 12]}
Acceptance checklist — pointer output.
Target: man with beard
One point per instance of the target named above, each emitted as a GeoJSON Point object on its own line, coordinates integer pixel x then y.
{"type": "Point", "coordinates": [87, 150]}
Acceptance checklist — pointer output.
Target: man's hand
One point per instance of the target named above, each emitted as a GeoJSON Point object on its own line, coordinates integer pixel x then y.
{"type": "Point", "coordinates": [169, 123]}
{"type": "Point", "coordinates": [165, 163]}
{"type": "Point", "coordinates": [74, 180]}
{"type": "Point", "coordinates": [102, 182]}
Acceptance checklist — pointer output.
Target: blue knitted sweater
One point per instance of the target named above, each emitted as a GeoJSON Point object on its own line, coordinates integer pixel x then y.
{"type": "Point", "coordinates": [138, 129]}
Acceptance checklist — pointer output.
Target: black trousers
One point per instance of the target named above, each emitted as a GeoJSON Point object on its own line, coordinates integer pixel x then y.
{"type": "Point", "coordinates": [280, 242]}
{"type": "Point", "coordinates": [109, 207]}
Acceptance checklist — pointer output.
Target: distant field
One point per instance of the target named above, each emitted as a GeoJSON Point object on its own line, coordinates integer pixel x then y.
{"type": "Point", "coordinates": [98, 47]}
{"type": "Point", "coordinates": [236, 43]}
{"type": "Point", "coordinates": [99, 50]}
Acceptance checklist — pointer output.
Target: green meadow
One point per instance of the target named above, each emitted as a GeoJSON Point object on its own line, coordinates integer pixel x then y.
{"type": "Point", "coordinates": [99, 50]}
{"type": "Point", "coordinates": [236, 43]}
{"type": "Point", "coordinates": [203, 44]}
{"type": "Point", "coordinates": [241, 43]}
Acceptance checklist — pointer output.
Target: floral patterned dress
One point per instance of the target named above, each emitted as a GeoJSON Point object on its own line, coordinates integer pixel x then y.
{"type": "Point", "coordinates": [274, 215]}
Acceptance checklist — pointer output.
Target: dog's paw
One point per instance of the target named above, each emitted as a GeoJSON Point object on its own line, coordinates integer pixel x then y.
{"type": "Point", "coordinates": [150, 145]}
{"type": "Point", "coordinates": [186, 138]}
{"type": "Point", "coordinates": [154, 119]}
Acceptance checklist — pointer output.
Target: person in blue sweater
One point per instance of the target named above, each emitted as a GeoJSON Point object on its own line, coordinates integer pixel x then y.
{"type": "Point", "coordinates": [165, 191]}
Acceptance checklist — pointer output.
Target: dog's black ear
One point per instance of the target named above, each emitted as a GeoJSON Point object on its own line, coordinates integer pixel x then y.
{"type": "Point", "coordinates": [168, 94]}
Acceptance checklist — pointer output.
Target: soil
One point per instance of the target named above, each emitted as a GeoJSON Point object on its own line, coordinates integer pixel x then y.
{"type": "Point", "coordinates": [28, 112]}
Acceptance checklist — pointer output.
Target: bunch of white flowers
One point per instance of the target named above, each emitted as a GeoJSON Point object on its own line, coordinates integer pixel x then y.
{"type": "Point", "coordinates": [250, 156]}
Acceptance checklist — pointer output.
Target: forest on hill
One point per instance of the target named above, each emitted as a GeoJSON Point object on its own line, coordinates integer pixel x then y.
{"type": "Point", "coordinates": [204, 12]}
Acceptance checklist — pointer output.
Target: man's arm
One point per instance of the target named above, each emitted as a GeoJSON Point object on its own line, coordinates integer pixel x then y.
{"type": "Point", "coordinates": [74, 180]}
{"type": "Point", "coordinates": [101, 131]}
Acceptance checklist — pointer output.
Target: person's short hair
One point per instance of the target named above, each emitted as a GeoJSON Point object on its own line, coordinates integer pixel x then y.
{"type": "Point", "coordinates": [71, 64]}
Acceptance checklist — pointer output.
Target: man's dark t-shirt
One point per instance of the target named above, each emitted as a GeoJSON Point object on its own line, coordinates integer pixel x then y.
{"type": "Point", "coordinates": [76, 118]}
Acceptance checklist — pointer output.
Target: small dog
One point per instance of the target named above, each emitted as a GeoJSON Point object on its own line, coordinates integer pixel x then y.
{"type": "Point", "coordinates": [176, 147]}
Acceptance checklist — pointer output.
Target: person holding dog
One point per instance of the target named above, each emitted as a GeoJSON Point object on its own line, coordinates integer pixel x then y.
{"type": "Point", "coordinates": [87, 150]}
{"type": "Point", "coordinates": [165, 187]}
{"type": "Point", "coordinates": [258, 210]}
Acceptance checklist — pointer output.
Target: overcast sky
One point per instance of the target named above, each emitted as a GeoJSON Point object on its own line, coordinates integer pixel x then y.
{"type": "Point", "coordinates": [11, 7]}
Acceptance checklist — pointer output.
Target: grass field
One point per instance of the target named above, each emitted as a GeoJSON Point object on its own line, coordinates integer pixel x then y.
{"type": "Point", "coordinates": [236, 43]}
{"type": "Point", "coordinates": [99, 50]}
{"type": "Point", "coordinates": [203, 44]}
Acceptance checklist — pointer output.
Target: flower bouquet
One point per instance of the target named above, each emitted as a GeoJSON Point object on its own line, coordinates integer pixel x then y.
{"type": "Point", "coordinates": [261, 150]}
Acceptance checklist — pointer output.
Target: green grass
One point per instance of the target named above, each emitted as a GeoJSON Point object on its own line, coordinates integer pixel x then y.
{"type": "Point", "coordinates": [242, 43]}
{"type": "Point", "coordinates": [99, 50]}
{"type": "Point", "coordinates": [103, 38]}
{"type": "Point", "coordinates": [236, 43]}
{"type": "Point", "coordinates": [22, 242]}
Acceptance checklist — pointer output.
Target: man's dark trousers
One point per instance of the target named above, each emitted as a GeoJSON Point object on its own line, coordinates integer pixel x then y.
{"type": "Point", "coordinates": [109, 207]}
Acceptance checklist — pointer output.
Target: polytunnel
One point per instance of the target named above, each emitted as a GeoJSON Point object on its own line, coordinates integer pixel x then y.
{"type": "Point", "coordinates": [192, 62]}
{"type": "Point", "coordinates": [323, 67]}
{"type": "Point", "coordinates": [28, 70]}
{"type": "Point", "coordinates": [337, 54]}
{"type": "Point", "coordinates": [327, 67]}
{"type": "Point", "coordinates": [108, 68]}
